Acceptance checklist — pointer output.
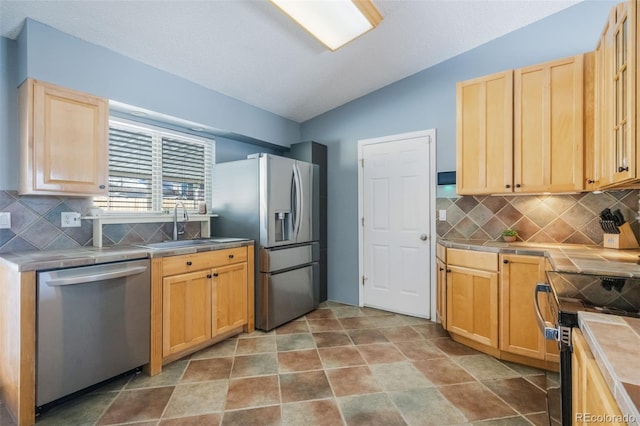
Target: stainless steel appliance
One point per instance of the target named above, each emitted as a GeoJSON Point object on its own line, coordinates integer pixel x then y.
{"type": "Point", "coordinates": [274, 201]}
{"type": "Point", "coordinates": [568, 294]}
{"type": "Point", "coordinates": [93, 323]}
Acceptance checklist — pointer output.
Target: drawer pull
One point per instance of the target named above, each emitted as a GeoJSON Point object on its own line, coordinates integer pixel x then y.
{"type": "Point", "coordinates": [230, 256]}
{"type": "Point", "coordinates": [209, 276]}
{"type": "Point", "coordinates": [189, 263]}
{"type": "Point", "coordinates": [215, 274]}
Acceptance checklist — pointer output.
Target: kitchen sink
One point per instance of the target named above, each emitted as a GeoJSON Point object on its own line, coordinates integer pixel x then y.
{"type": "Point", "coordinates": [190, 243]}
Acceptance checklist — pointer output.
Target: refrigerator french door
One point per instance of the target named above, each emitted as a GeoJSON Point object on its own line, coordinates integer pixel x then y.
{"type": "Point", "coordinates": [274, 201]}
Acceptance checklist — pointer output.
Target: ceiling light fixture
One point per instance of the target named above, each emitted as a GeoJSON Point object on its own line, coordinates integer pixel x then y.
{"type": "Point", "coordinates": [333, 22]}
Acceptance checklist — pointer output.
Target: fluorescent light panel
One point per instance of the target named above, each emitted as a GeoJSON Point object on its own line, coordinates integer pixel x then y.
{"type": "Point", "coordinates": [333, 22]}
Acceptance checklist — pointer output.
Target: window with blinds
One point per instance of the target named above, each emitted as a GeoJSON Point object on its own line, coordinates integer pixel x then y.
{"type": "Point", "coordinates": [151, 169]}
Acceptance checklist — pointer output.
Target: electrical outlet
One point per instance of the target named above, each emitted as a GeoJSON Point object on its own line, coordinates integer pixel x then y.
{"type": "Point", "coordinates": [442, 215]}
{"type": "Point", "coordinates": [5, 220]}
{"type": "Point", "coordinates": [70, 219]}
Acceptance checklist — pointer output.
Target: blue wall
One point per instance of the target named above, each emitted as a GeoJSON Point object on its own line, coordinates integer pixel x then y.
{"type": "Point", "coordinates": [423, 101]}
{"type": "Point", "coordinates": [47, 54]}
{"type": "Point", "coordinates": [8, 114]}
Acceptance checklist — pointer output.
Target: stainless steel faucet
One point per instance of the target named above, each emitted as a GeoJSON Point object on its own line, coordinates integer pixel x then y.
{"type": "Point", "coordinates": [175, 219]}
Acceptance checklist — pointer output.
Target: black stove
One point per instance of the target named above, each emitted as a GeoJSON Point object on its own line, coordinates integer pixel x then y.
{"type": "Point", "coordinates": [570, 293]}
{"type": "Point", "coordinates": [593, 293]}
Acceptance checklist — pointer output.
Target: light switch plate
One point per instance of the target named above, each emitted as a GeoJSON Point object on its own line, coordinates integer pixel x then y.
{"type": "Point", "coordinates": [70, 219]}
{"type": "Point", "coordinates": [442, 215]}
{"type": "Point", "coordinates": [5, 220]}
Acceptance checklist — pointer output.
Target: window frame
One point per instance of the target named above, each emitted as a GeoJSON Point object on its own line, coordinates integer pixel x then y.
{"type": "Point", "coordinates": [157, 133]}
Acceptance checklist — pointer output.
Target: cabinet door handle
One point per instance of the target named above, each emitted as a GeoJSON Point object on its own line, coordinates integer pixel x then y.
{"type": "Point", "coordinates": [590, 181]}
{"type": "Point", "coordinates": [507, 186]}
{"type": "Point", "coordinates": [623, 169]}
{"type": "Point", "coordinates": [215, 274]}
{"type": "Point", "coordinates": [189, 263]}
{"type": "Point", "coordinates": [101, 187]}
{"type": "Point", "coordinates": [209, 276]}
{"type": "Point", "coordinates": [441, 269]}
{"type": "Point", "coordinates": [518, 185]}
{"type": "Point", "coordinates": [230, 256]}
{"type": "Point", "coordinates": [448, 270]}
{"type": "Point", "coordinates": [505, 261]}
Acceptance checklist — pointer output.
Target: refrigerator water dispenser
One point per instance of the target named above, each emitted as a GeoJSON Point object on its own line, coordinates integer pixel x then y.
{"type": "Point", "coordinates": [283, 226]}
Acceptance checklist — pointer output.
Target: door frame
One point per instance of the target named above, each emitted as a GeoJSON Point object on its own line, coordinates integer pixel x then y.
{"type": "Point", "coordinates": [430, 134]}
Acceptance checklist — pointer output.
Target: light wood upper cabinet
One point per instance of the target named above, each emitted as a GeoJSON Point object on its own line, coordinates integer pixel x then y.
{"type": "Point", "coordinates": [519, 331]}
{"type": "Point", "coordinates": [616, 105]}
{"type": "Point", "coordinates": [591, 395]}
{"type": "Point", "coordinates": [522, 131]}
{"type": "Point", "coordinates": [484, 134]}
{"type": "Point", "coordinates": [548, 126]}
{"type": "Point", "coordinates": [64, 141]}
{"type": "Point", "coordinates": [472, 295]}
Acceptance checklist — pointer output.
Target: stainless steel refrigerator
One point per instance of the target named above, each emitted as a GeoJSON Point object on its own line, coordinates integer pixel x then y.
{"type": "Point", "coordinates": [274, 201]}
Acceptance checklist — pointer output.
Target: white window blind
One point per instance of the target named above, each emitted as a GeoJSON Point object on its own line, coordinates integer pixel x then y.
{"type": "Point", "coordinates": [150, 169]}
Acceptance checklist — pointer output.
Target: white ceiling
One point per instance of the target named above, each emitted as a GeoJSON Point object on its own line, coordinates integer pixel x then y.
{"type": "Point", "coordinates": [249, 50]}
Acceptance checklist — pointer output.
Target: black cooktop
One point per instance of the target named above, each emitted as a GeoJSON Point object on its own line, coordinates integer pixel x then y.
{"type": "Point", "coordinates": [595, 293]}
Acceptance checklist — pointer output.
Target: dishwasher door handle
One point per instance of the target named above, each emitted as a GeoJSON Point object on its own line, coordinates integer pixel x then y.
{"type": "Point", "coordinates": [89, 278]}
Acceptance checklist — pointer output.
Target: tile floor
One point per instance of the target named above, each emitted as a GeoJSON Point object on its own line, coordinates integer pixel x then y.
{"type": "Point", "coordinates": [337, 365]}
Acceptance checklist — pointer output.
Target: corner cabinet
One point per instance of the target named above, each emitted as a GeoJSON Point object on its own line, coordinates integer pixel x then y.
{"type": "Point", "coordinates": [485, 301]}
{"type": "Point", "coordinates": [591, 396]}
{"type": "Point", "coordinates": [484, 134]}
{"type": "Point", "coordinates": [472, 296]}
{"type": "Point", "coordinates": [59, 126]}
{"type": "Point", "coordinates": [199, 299]}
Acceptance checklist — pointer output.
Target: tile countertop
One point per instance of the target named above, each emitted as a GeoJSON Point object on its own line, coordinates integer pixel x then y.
{"type": "Point", "coordinates": [575, 258]}
{"type": "Point", "coordinates": [38, 260]}
{"type": "Point", "coordinates": [615, 344]}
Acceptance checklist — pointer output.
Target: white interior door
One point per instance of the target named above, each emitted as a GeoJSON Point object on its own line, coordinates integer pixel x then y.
{"type": "Point", "coordinates": [395, 220]}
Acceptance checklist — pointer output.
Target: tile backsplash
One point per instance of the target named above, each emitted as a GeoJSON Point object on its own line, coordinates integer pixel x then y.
{"type": "Point", "coordinates": [537, 218]}
{"type": "Point", "coordinates": [35, 220]}
{"type": "Point", "coordinates": [35, 225]}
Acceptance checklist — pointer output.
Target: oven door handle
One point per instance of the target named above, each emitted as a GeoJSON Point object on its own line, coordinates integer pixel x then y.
{"type": "Point", "coordinates": [549, 331]}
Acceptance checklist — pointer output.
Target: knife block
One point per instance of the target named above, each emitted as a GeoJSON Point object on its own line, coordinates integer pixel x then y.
{"type": "Point", "coordinates": [624, 240]}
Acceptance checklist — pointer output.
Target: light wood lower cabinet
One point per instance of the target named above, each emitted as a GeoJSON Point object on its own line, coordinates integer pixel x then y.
{"type": "Point", "coordinates": [199, 299]}
{"type": "Point", "coordinates": [519, 331]}
{"type": "Point", "coordinates": [186, 311]}
{"type": "Point", "coordinates": [591, 396]}
{"type": "Point", "coordinates": [472, 296]}
{"type": "Point", "coordinates": [491, 308]}
{"type": "Point", "coordinates": [441, 292]}
{"type": "Point", "coordinates": [229, 298]}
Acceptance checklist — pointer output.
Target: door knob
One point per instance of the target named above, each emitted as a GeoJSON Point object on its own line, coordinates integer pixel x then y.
{"type": "Point", "coordinates": [423, 237]}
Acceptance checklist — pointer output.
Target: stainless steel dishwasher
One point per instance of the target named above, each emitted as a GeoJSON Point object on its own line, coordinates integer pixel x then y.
{"type": "Point", "coordinates": [93, 323]}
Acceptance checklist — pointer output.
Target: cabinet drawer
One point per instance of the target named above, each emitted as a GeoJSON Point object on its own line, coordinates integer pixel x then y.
{"type": "Point", "coordinates": [198, 261]}
{"type": "Point", "coordinates": [473, 259]}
